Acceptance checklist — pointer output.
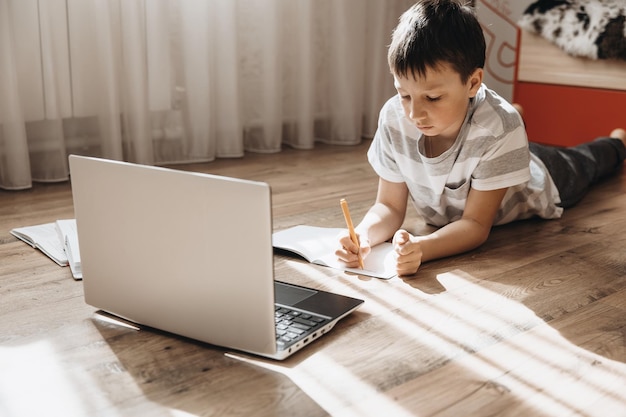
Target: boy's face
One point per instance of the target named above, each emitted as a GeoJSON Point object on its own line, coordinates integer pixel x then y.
{"type": "Point", "coordinates": [437, 102]}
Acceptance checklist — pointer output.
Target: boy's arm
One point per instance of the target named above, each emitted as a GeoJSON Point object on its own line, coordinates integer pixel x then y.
{"type": "Point", "coordinates": [386, 215]}
{"type": "Point", "coordinates": [471, 231]}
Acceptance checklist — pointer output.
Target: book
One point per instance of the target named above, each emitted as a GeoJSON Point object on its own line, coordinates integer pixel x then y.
{"type": "Point", "coordinates": [68, 235]}
{"type": "Point", "coordinates": [57, 240]}
{"type": "Point", "coordinates": [317, 245]}
{"type": "Point", "coordinates": [45, 238]}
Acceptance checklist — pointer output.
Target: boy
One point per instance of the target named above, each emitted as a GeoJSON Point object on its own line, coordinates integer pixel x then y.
{"type": "Point", "coordinates": [458, 150]}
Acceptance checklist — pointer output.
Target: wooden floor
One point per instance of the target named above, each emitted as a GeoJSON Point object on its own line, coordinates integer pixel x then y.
{"type": "Point", "coordinates": [533, 323]}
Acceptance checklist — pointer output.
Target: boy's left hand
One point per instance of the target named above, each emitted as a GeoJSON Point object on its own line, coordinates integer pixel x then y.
{"type": "Point", "coordinates": [408, 253]}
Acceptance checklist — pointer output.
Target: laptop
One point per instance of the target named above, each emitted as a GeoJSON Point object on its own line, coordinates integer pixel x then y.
{"type": "Point", "coordinates": [191, 254]}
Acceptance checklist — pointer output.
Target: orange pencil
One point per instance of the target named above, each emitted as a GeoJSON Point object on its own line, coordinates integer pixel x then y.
{"type": "Point", "coordinates": [346, 215]}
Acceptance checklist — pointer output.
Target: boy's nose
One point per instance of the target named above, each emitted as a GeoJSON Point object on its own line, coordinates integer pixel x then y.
{"type": "Point", "coordinates": [416, 113]}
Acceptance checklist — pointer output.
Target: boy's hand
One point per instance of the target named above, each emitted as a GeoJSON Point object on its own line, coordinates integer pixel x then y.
{"type": "Point", "coordinates": [408, 253]}
{"type": "Point", "coordinates": [347, 251]}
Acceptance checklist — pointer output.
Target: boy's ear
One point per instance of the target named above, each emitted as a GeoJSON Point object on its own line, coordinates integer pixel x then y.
{"type": "Point", "coordinates": [475, 81]}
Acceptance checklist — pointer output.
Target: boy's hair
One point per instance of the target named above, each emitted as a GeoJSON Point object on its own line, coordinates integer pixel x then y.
{"type": "Point", "coordinates": [432, 32]}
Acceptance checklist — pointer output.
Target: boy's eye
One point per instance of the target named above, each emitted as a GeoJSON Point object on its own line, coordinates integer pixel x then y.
{"type": "Point", "coordinates": [429, 98]}
{"type": "Point", "coordinates": [406, 97]}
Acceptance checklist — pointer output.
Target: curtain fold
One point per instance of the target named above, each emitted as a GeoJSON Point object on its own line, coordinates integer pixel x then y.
{"type": "Point", "coordinates": [178, 81]}
{"type": "Point", "coordinates": [14, 160]}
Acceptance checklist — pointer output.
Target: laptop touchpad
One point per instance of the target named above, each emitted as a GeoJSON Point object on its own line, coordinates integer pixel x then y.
{"type": "Point", "coordinates": [289, 295]}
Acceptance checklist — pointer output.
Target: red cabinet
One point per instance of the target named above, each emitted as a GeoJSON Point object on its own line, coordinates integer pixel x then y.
{"type": "Point", "coordinates": [568, 115]}
{"type": "Point", "coordinates": [567, 100]}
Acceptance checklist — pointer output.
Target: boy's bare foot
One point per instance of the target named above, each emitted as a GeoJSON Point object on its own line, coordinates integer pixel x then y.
{"type": "Point", "coordinates": [619, 134]}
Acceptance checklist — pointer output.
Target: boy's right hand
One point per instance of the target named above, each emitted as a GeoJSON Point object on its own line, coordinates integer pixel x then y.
{"type": "Point", "coordinates": [347, 251]}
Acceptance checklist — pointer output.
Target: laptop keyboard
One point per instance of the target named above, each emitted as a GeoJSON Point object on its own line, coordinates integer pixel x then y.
{"type": "Point", "coordinates": [293, 325]}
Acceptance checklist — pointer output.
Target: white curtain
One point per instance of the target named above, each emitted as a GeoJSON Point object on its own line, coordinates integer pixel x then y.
{"type": "Point", "coordinates": [177, 81]}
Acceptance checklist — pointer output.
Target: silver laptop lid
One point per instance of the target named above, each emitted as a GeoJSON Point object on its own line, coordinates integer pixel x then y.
{"type": "Point", "coordinates": [188, 253]}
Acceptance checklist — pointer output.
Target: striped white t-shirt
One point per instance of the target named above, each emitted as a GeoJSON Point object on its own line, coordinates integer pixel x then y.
{"type": "Point", "coordinates": [490, 152]}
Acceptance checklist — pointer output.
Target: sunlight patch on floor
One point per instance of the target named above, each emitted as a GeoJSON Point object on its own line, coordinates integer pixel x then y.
{"type": "Point", "coordinates": [492, 343]}
{"type": "Point", "coordinates": [33, 381]}
{"type": "Point", "coordinates": [332, 387]}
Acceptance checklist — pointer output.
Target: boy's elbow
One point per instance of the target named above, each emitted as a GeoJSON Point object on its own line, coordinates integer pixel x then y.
{"type": "Point", "coordinates": [482, 238]}
{"type": "Point", "coordinates": [480, 232]}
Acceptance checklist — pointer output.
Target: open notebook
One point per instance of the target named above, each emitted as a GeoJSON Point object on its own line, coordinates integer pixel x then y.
{"type": "Point", "coordinates": [191, 254]}
{"type": "Point", "coordinates": [318, 244]}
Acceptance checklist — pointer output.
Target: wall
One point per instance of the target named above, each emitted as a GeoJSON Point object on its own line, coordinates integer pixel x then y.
{"type": "Point", "coordinates": [499, 18]}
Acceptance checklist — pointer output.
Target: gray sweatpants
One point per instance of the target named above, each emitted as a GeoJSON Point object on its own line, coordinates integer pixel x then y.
{"type": "Point", "coordinates": [575, 169]}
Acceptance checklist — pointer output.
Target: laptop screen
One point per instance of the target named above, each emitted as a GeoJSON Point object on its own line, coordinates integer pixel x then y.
{"type": "Point", "coordinates": [188, 253]}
